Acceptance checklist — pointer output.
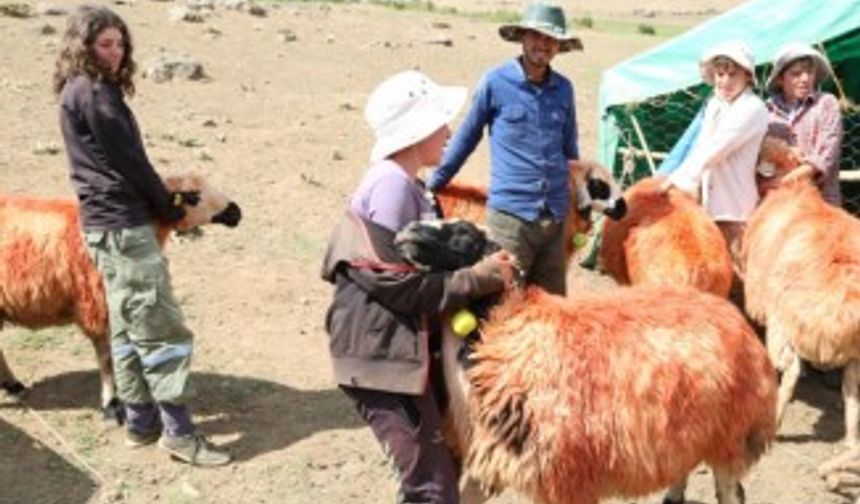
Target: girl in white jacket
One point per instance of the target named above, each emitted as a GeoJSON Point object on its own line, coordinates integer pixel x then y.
{"type": "Point", "coordinates": [720, 167]}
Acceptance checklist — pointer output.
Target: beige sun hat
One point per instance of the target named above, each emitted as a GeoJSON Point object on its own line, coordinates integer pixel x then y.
{"type": "Point", "coordinates": [407, 108]}
{"type": "Point", "coordinates": [546, 19]}
{"type": "Point", "coordinates": [792, 52]}
{"type": "Point", "coordinates": [735, 50]}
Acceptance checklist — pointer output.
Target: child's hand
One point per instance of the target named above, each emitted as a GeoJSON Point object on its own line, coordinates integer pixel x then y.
{"type": "Point", "coordinates": [506, 264]}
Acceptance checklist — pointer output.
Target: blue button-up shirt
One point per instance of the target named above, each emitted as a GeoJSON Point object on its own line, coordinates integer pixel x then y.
{"type": "Point", "coordinates": [533, 134]}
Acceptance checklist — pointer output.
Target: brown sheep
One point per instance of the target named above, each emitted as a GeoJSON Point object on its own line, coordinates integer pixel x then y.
{"type": "Point", "coordinates": [665, 239]}
{"type": "Point", "coordinates": [573, 400]}
{"type": "Point", "coordinates": [802, 260]}
{"type": "Point", "coordinates": [47, 278]}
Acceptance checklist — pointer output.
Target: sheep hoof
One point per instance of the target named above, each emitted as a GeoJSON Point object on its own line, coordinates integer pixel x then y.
{"type": "Point", "coordinates": [668, 500]}
{"type": "Point", "coordinates": [13, 387]}
{"type": "Point", "coordinates": [114, 412]}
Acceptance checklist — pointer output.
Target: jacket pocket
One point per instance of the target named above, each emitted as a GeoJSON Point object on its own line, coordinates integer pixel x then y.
{"type": "Point", "coordinates": [361, 328]}
{"type": "Point", "coordinates": [137, 242]}
{"type": "Point", "coordinates": [556, 118]}
{"type": "Point", "coordinates": [512, 125]}
{"type": "Point", "coordinates": [513, 113]}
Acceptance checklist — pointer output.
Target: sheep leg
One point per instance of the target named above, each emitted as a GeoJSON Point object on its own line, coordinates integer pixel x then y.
{"type": "Point", "coordinates": [850, 390]}
{"type": "Point", "coordinates": [778, 347]}
{"type": "Point", "coordinates": [112, 408]}
{"type": "Point", "coordinates": [675, 495]}
{"type": "Point", "coordinates": [790, 376]}
{"type": "Point", "coordinates": [839, 462]}
{"type": "Point", "coordinates": [471, 493]}
{"type": "Point", "coordinates": [729, 488]}
{"type": "Point", "coordinates": [839, 480]}
{"type": "Point", "coordinates": [8, 382]}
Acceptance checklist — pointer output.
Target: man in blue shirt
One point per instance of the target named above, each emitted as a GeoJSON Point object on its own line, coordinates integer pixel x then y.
{"type": "Point", "coordinates": [530, 114]}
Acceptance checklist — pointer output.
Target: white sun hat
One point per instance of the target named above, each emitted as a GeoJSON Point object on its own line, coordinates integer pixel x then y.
{"type": "Point", "coordinates": [407, 108]}
{"type": "Point", "coordinates": [792, 52]}
{"type": "Point", "coordinates": [735, 50]}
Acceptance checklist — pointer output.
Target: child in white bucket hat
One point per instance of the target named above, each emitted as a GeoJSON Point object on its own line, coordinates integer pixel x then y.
{"type": "Point", "coordinates": [378, 321]}
{"type": "Point", "coordinates": [720, 165]}
{"type": "Point", "coordinates": [409, 116]}
{"type": "Point", "coordinates": [807, 117]}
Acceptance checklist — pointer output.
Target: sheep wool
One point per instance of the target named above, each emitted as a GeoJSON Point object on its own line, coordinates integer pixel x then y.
{"type": "Point", "coordinates": [665, 239]}
{"type": "Point", "coordinates": [803, 274]}
{"type": "Point", "coordinates": [582, 398]}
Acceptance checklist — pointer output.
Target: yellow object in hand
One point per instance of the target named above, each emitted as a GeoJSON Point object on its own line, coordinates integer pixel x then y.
{"type": "Point", "coordinates": [579, 240]}
{"type": "Point", "coordinates": [463, 323]}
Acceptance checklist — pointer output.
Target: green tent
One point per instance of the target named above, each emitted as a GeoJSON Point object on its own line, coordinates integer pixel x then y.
{"type": "Point", "coordinates": [647, 101]}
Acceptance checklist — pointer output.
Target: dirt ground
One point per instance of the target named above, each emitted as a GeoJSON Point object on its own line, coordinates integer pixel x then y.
{"type": "Point", "coordinates": [278, 125]}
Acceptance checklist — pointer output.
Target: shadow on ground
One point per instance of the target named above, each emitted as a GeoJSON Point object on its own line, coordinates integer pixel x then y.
{"type": "Point", "coordinates": [263, 415]}
{"type": "Point", "coordinates": [25, 464]}
{"type": "Point", "coordinates": [829, 427]}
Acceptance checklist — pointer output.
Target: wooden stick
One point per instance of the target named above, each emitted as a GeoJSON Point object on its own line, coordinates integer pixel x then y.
{"type": "Point", "coordinates": [641, 153]}
{"type": "Point", "coordinates": [642, 141]}
{"type": "Point", "coordinates": [844, 100]}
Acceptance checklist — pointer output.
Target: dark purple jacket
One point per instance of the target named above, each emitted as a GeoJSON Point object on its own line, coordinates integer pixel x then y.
{"type": "Point", "coordinates": [376, 322]}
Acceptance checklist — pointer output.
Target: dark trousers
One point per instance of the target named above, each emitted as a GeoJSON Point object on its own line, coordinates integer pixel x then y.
{"type": "Point", "coordinates": [409, 428]}
{"type": "Point", "coordinates": [733, 233]}
{"type": "Point", "coordinates": [537, 246]}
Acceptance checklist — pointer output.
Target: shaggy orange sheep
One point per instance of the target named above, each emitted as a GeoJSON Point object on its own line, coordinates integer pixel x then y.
{"type": "Point", "coordinates": [47, 278]}
{"type": "Point", "coordinates": [665, 239]}
{"type": "Point", "coordinates": [592, 186]}
{"type": "Point", "coordinates": [802, 259]}
{"type": "Point", "coordinates": [573, 400]}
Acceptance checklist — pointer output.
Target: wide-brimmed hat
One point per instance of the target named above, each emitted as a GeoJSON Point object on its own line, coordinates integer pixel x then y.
{"type": "Point", "coordinates": [794, 51]}
{"type": "Point", "coordinates": [735, 50]}
{"type": "Point", "coordinates": [546, 19]}
{"type": "Point", "coordinates": [407, 108]}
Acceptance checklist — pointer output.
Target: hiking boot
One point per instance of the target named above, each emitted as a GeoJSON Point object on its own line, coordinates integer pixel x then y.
{"type": "Point", "coordinates": [194, 449]}
{"type": "Point", "coordinates": [136, 439]}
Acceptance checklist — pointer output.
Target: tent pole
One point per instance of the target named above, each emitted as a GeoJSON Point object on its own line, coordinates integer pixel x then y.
{"type": "Point", "coordinates": [843, 98]}
{"type": "Point", "coordinates": [642, 141]}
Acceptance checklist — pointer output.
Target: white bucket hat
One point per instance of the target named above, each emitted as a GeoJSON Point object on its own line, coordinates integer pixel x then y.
{"type": "Point", "coordinates": [735, 50]}
{"type": "Point", "coordinates": [794, 51]}
{"type": "Point", "coordinates": [407, 108]}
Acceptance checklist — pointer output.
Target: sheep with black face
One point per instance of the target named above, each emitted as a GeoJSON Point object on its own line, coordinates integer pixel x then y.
{"type": "Point", "coordinates": [574, 400]}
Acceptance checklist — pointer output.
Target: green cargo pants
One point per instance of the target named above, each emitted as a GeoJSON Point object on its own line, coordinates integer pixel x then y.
{"type": "Point", "coordinates": [538, 247]}
{"type": "Point", "coordinates": [150, 345]}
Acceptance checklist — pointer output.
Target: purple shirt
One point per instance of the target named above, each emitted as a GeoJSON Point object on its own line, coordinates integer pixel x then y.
{"type": "Point", "coordinates": [388, 196]}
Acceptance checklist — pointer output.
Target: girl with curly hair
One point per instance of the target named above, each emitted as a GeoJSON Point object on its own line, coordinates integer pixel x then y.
{"type": "Point", "coordinates": [120, 197]}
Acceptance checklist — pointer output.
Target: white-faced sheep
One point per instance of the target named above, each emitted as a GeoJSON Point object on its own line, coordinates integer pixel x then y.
{"type": "Point", "coordinates": [665, 239]}
{"type": "Point", "coordinates": [802, 260]}
{"type": "Point", "coordinates": [573, 400]}
{"type": "Point", "coordinates": [47, 278]}
{"type": "Point", "coordinates": [592, 187]}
